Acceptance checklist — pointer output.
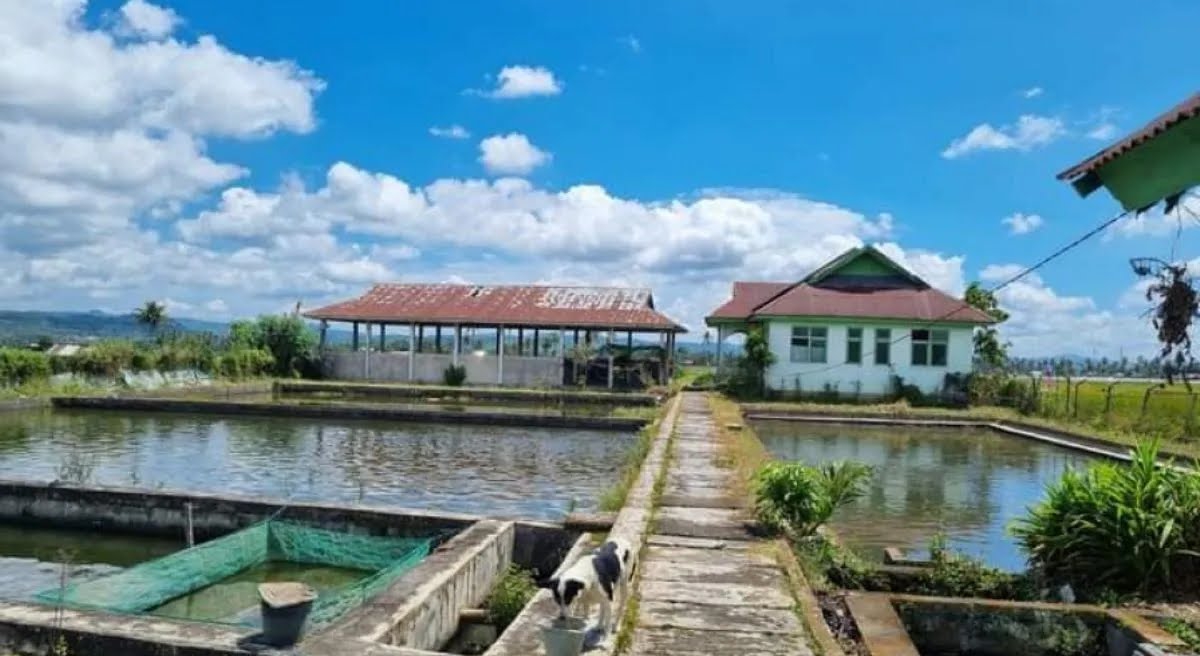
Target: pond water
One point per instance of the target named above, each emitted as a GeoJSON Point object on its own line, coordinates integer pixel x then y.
{"type": "Point", "coordinates": [35, 559]}
{"type": "Point", "coordinates": [968, 483]}
{"type": "Point", "coordinates": [491, 470]}
{"type": "Point", "coordinates": [235, 599]}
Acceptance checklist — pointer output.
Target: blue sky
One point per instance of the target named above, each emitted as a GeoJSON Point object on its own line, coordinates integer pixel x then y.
{"type": "Point", "coordinates": [234, 158]}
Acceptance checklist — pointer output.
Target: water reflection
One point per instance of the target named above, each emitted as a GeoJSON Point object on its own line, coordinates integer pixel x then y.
{"type": "Point", "coordinates": [500, 471]}
{"type": "Point", "coordinates": [969, 483]}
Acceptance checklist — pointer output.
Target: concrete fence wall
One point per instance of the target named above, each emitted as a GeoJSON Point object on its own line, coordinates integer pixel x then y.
{"type": "Point", "coordinates": [392, 366]}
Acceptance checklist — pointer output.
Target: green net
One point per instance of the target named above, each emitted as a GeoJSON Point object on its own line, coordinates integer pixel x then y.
{"type": "Point", "coordinates": [150, 585]}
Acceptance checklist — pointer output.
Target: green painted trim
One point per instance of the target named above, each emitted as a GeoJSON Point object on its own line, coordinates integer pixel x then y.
{"type": "Point", "coordinates": [865, 321]}
{"type": "Point", "coordinates": [846, 259]}
{"type": "Point", "coordinates": [713, 321]}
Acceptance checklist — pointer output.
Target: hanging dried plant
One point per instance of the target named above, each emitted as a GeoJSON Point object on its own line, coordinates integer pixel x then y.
{"type": "Point", "coordinates": [1176, 305]}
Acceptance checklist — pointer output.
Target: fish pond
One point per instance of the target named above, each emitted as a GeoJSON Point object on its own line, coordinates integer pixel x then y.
{"type": "Point", "coordinates": [33, 560]}
{"type": "Point", "coordinates": [538, 473]}
{"type": "Point", "coordinates": [969, 484]}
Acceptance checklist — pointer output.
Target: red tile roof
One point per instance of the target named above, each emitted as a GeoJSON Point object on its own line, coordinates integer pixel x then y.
{"type": "Point", "coordinates": [746, 297]}
{"type": "Point", "coordinates": [598, 308]}
{"type": "Point", "coordinates": [1180, 112]}
{"type": "Point", "coordinates": [916, 304]}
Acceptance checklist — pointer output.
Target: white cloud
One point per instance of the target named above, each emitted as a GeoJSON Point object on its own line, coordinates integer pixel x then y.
{"type": "Point", "coordinates": [1022, 224]}
{"type": "Point", "coordinates": [455, 131]}
{"type": "Point", "coordinates": [216, 306]}
{"type": "Point", "coordinates": [524, 82]}
{"type": "Point", "coordinates": [511, 153]}
{"type": "Point", "coordinates": [1103, 132]}
{"type": "Point", "coordinates": [632, 43]}
{"type": "Point", "coordinates": [1029, 132]}
{"type": "Point", "coordinates": [1032, 92]}
{"type": "Point", "coordinates": [1156, 223]}
{"type": "Point", "coordinates": [140, 18]}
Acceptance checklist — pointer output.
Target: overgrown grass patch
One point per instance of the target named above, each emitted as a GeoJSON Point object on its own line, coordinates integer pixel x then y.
{"type": "Point", "coordinates": [614, 497]}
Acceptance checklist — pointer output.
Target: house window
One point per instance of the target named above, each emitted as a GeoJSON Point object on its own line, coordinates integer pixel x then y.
{"type": "Point", "coordinates": [808, 344]}
{"type": "Point", "coordinates": [854, 345]}
{"type": "Point", "coordinates": [929, 347]}
{"type": "Point", "coordinates": [883, 346]}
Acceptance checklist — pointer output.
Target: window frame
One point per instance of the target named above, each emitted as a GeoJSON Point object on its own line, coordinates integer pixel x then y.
{"type": "Point", "coordinates": [809, 334]}
{"type": "Point", "coordinates": [855, 340]}
{"type": "Point", "coordinates": [883, 347]}
{"type": "Point", "coordinates": [933, 340]}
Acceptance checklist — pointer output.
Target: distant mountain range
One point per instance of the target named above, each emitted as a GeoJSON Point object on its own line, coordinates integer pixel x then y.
{"type": "Point", "coordinates": [19, 327]}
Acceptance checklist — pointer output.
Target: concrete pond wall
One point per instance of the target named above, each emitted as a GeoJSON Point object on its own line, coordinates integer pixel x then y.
{"type": "Point", "coordinates": [392, 366]}
{"type": "Point", "coordinates": [467, 392]}
{"type": "Point", "coordinates": [348, 411]}
{"type": "Point", "coordinates": [416, 614]}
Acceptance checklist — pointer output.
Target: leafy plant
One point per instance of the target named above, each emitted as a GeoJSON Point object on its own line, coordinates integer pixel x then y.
{"type": "Point", "coordinates": [18, 367]}
{"type": "Point", "coordinates": [287, 338]}
{"type": "Point", "coordinates": [956, 575]}
{"type": "Point", "coordinates": [509, 596]}
{"type": "Point", "coordinates": [454, 375]}
{"type": "Point", "coordinates": [796, 499]}
{"type": "Point", "coordinates": [1184, 630]}
{"type": "Point", "coordinates": [1133, 527]}
{"type": "Point", "coordinates": [989, 351]}
{"type": "Point", "coordinates": [748, 379]}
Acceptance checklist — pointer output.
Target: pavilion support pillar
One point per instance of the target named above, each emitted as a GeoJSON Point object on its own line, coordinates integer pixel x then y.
{"type": "Point", "coordinates": [421, 338]}
{"type": "Point", "coordinates": [520, 341]}
{"type": "Point", "coordinates": [382, 337]}
{"type": "Point", "coordinates": [629, 368]}
{"type": "Point", "coordinates": [562, 342]}
{"type": "Point", "coordinates": [500, 356]}
{"type": "Point", "coordinates": [324, 331]}
{"type": "Point", "coordinates": [437, 338]}
{"type": "Point", "coordinates": [412, 351]}
{"type": "Point", "coordinates": [537, 339]}
{"type": "Point", "coordinates": [611, 360]}
{"type": "Point", "coordinates": [670, 357]}
{"type": "Point", "coordinates": [354, 343]}
{"type": "Point", "coordinates": [367, 356]}
{"type": "Point", "coordinates": [720, 349]}
{"type": "Point", "coordinates": [457, 342]}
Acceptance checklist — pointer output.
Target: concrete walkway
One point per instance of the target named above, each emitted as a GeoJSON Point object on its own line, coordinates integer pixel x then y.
{"type": "Point", "coordinates": [705, 586]}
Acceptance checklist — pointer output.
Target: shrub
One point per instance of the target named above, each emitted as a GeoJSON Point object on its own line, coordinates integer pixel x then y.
{"type": "Point", "coordinates": [957, 575]}
{"type": "Point", "coordinates": [287, 338]}
{"type": "Point", "coordinates": [107, 358]}
{"type": "Point", "coordinates": [18, 366]}
{"type": "Point", "coordinates": [796, 499]}
{"type": "Point", "coordinates": [510, 594]}
{"type": "Point", "coordinates": [244, 363]}
{"type": "Point", "coordinates": [1130, 527]}
{"type": "Point", "coordinates": [455, 375]}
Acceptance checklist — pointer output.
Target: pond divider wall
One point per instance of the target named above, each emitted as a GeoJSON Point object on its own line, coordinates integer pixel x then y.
{"type": "Point", "coordinates": [348, 411]}
{"type": "Point", "coordinates": [24, 404]}
{"type": "Point", "coordinates": [885, 634]}
{"type": "Point", "coordinates": [632, 525]}
{"type": "Point", "coordinates": [523, 371]}
{"type": "Point", "coordinates": [554, 396]}
{"type": "Point", "coordinates": [421, 610]}
{"type": "Point", "coordinates": [1064, 439]}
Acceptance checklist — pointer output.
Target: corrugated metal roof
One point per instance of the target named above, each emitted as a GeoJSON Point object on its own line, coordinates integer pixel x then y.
{"type": "Point", "coordinates": [746, 297]}
{"type": "Point", "coordinates": [1184, 110]}
{"type": "Point", "coordinates": [509, 305]}
{"type": "Point", "coordinates": [926, 304]}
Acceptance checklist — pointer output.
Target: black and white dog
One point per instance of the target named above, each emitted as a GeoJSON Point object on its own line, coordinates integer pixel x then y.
{"type": "Point", "coordinates": [597, 578]}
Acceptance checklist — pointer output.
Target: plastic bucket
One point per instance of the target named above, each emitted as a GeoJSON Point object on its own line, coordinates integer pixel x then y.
{"type": "Point", "coordinates": [564, 637]}
{"type": "Point", "coordinates": [281, 627]}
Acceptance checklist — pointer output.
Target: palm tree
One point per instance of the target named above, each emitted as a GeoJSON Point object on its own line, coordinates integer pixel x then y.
{"type": "Point", "coordinates": [152, 315]}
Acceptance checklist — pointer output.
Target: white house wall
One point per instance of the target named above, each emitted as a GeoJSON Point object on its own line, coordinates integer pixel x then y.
{"type": "Point", "coordinates": [807, 378]}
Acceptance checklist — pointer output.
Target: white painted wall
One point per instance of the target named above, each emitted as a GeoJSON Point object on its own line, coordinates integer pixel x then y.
{"type": "Point", "coordinates": [787, 376]}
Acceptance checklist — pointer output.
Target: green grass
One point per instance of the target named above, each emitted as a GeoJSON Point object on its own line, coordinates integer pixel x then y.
{"type": "Point", "coordinates": [614, 497]}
